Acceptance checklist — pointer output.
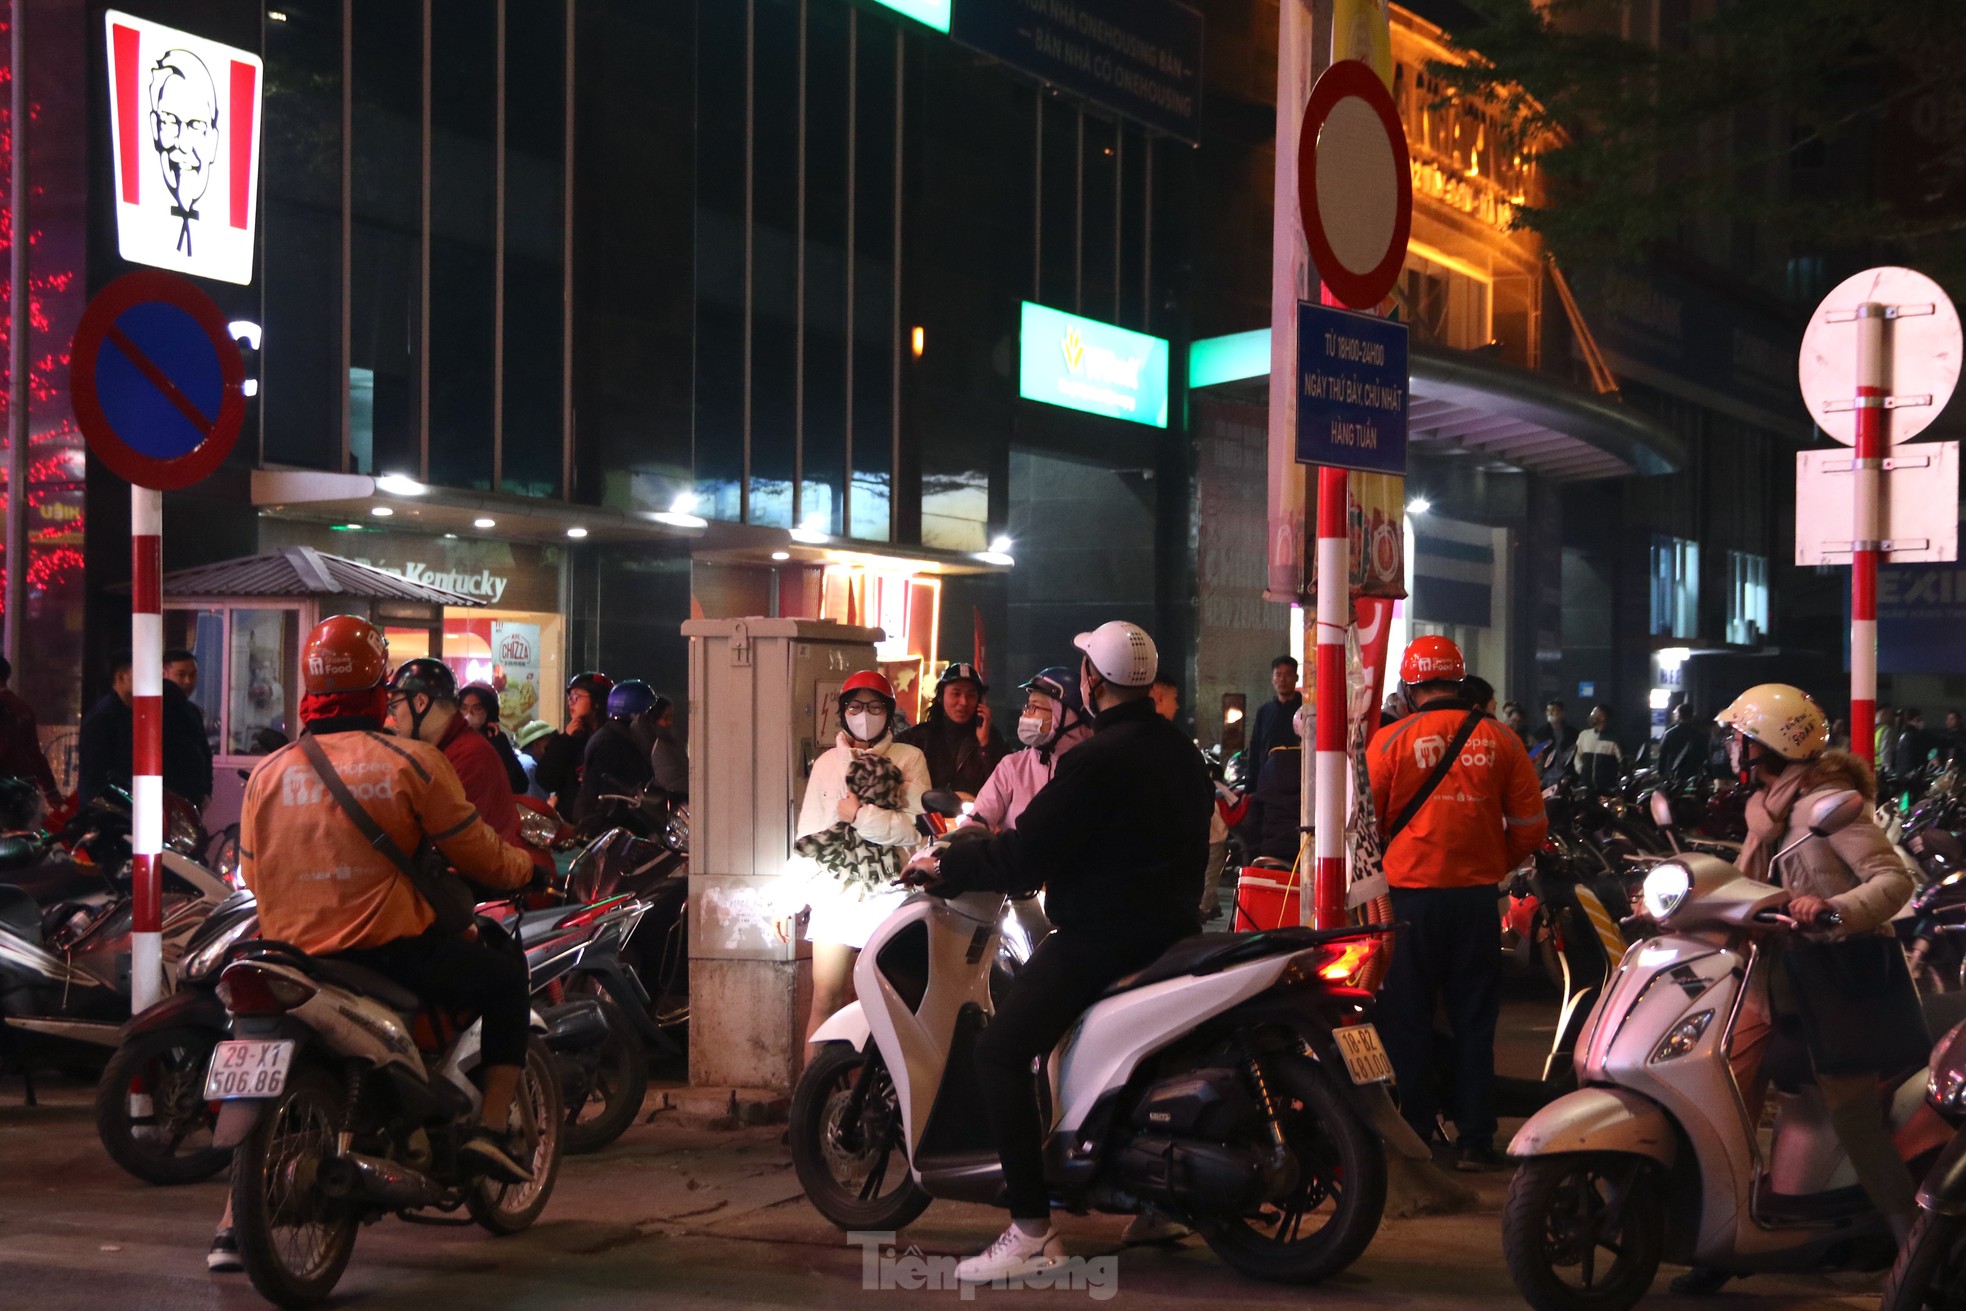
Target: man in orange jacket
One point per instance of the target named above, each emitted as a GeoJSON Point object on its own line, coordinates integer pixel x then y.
{"type": "Point", "coordinates": [1481, 818]}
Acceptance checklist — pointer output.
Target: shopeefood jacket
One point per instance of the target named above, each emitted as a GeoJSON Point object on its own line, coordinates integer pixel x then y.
{"type": "Point", "coordinates": [1483, 819]}
{"type": "Point", "coordinates": [1118, 838]}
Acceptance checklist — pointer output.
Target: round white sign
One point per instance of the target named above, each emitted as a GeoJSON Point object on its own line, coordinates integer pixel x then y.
{"type": "Point", "coordinates": [1921, 353]}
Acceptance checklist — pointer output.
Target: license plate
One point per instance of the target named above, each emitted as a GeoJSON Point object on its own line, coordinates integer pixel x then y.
{"type": "Point", "coordinates": [248, 1069]}
{"type": "Point", "coordinates": [1365, 1056]}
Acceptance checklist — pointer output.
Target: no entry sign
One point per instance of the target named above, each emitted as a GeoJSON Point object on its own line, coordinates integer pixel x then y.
{"type": "Point", "coordinates": [1355, 184]}
{"type": "Point", "coordinates": [157, 383]}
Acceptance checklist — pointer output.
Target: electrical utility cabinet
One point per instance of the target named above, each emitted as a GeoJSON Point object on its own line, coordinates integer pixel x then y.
{"type": "Point", "coordinates": [763, 705]}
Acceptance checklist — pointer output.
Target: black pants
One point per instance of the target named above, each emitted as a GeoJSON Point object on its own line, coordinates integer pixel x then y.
{"type": "Point", "coordinates": [1448, 954]}
{"type": "Point", "coordinates": [1065, 975]}
{"type": "Point", "coordinates": [487, 977]}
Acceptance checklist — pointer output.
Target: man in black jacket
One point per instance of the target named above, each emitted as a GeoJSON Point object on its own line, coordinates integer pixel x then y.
{"type": "Point", "coordinates": [1684, 749]}
{"type": "Point", "coordinates": [108, 730]}
{"type": "Point", "coordinates": [1275, 720]}
{"type": "Point", "coordinates": [1119, 837]}
{"type": "Point", "coordinates": [961, 745]}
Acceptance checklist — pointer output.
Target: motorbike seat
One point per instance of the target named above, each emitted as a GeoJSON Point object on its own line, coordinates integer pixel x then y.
{"type": "Point", "coordinates": [1211, 953]}
{"type": "Point", "coordinates": [20, 914]}
{"type": "Point", "coordinates": [359, 978]}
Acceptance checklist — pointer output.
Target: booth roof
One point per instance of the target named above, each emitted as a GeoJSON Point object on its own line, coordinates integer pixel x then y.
{"type": "Point", "coordinates": [304, 571]}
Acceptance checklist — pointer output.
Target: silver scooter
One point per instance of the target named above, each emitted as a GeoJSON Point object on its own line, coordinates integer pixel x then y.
{"type": "Point", "coordinates": [1654, 1157]}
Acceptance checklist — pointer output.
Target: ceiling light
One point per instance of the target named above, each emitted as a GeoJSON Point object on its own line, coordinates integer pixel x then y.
{"type": "Point", "coordinates": [1000, 546]}
{"type": "Point", "coordinates": [484, 523]}
{"type": "Point", "coordinates": [381, 511]}
{"type": "Point", "coordinates": [996, 557]}
{"type": "Point", "coordinates": [813, 529]}
{"type": "Point", "coordinates": [576, 532]}
{"type": "Point", "coordinates": [685, 503]}
{"type": "Point", "coordinates": [400, 484]}
{"type": "Point", "coordinates": [781, 555]}
{"type": "Point", "coordinates": [1419, 505]}
{"type": "Point", "coordinates": [680, 519]}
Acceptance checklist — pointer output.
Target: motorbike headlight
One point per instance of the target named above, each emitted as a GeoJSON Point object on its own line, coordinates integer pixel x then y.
{"type": "Point", "coordinates": [537, 828]}
{"type": "Point", "coordinates": [183, 835]}
{"type": "Point", "coordinates": [1945, 1084]}
{"type": "Point", "coordinates": [199, 962]}
{"type": "Point", "coordinates": [1665, 888]}
{"type": "Point", "coordinates": [678, 829]}
{"type": "Point", "coordinates": [1685, 1036]}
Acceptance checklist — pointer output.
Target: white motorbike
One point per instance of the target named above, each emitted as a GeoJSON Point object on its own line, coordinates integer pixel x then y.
{"type": "Point", "coordinates": [1654, 1157]}
{"type": "Point", "coordinates": [347, 1099]}
{"type": "Point", "coordinates": [1235, 1084]}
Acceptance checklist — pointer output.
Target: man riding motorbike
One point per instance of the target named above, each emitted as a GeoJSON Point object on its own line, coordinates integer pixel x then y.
{"type": "Point", "coordinates": [324, 889]}
{"type": "Point", "coordinates": [1780, 738]}
{"type": "Point", "coordinates": [1119, 838]}
{"type": "Point", "coordinates": [616, 760]}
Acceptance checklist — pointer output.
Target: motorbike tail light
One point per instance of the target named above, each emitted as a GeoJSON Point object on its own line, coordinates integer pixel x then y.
{"type": "Point", "coordinates": [248, 989]}
{"type": "Point", "coordinates": [1348, 962]}
{"type": "Point", "coordinates": [589, 914]}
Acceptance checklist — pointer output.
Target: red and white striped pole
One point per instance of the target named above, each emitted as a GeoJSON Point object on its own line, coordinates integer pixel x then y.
{"type": "Point", "coordinates": [1868, 529]}
{"type": "Point", "coordinates": [1334, 603]}
{"type": "Point", "coordinates": [147, 746]}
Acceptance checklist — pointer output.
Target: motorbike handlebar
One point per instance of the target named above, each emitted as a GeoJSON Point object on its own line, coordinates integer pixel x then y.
{"type": "Point", "coordinates": [1828, 919]}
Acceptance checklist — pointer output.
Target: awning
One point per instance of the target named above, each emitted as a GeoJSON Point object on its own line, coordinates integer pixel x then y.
{"type": "Point", "coordinates": [304, 571]}
{"type": "Point", "coordinates": [1465, 401]}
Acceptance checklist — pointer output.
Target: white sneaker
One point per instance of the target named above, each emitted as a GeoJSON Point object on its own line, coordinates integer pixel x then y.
{"type": "Point", "coordinates": [1014, 1254]}
{"type": "Point", "coordinates": [1148, 1227]}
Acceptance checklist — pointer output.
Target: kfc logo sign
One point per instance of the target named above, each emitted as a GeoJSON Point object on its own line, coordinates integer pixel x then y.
{"type": "Point", "coordinates": [184, 117]}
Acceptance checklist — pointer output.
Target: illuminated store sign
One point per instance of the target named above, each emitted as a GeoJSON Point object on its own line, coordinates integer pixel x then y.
{"type": "Point", "coordinates": [933, 13]}
{"type": "Point", "coordinates": [1083, 364]}
{"type": "Point", "coordinates": [184, 115]}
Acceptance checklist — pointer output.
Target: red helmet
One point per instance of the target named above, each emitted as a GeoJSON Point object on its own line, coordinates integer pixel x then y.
{"type": "Point", "coordinates": [344, 653]}
{"type": "Point", "coordinates": [1432, 660]}
{"type": "Point", "coordinates": [867, 680]}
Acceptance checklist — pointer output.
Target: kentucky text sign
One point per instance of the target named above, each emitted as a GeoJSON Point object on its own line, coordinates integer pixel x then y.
{"type": "Point", "coordinates": [184, 119]}
{"type": "Point", "coordinates": [1083, 364]}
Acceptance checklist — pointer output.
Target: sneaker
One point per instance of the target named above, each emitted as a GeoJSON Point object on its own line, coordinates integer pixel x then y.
{"type": "Point", "coordinates": [492, 1154]}
{"type": "Point", "coordinates": [1148, 1227]}
{"type": "Point", "coordinates": [1479, 1158]}
{"type": "Point", "coordinates": [1700, 1281]}
{"type": "Point", "coordinates": [223, 1258]}
{"type": "Point", "coordinates": [1014, 1254]}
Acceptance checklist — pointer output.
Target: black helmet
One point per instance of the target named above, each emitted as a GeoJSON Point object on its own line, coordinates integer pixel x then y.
{"type": "Point", "coordinates": [486, 693]}
{"type": "Point", "coordinates": [432, 678]}
{"type": "Point", "coordinates": [961, 672]}
{"type": "Point", "coordinates": [594, 683]}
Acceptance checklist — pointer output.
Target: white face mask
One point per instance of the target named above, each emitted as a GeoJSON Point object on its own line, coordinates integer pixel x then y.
{"type": "Point", "coordinates": [1033, 729]}
{"type": "Point", "coordinates": [866, 724]}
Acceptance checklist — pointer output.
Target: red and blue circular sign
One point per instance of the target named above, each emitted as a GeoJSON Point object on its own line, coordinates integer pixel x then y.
{"type": "Point", "coordinates": [156, 380]}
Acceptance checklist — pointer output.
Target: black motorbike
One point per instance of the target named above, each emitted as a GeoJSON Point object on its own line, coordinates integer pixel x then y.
{"type": "Point", "coordinates": [640, 845]}
{"type": "Point", "coordinates": [1930, 1274]}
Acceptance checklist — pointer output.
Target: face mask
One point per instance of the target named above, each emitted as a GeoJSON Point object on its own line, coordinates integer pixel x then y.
{"type": "Point", "coordinates": [866, 725]}
{"type": "Point", "coordinates": [1737, 753]}
{"type": "Point", "coordinates": [1032, 729]}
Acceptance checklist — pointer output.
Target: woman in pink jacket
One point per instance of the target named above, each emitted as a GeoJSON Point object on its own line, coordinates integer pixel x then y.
{"type": "Point", "coordinates": [1053, 722]}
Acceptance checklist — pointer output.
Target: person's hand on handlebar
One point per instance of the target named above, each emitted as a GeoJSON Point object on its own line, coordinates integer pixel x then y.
{"type": "Point", "coordinates": [1807, 911]}
{"type": "Point", "coordinates": [924, 869]}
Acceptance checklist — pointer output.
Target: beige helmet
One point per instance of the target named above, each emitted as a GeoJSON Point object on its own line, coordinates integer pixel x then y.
{"type": "Point", "coordinates": [1782, 718]}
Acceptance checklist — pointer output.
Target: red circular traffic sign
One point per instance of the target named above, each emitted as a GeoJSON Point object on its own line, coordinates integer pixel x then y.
{"type": "Point", "coordinates": [156, 380]}
{"type": "Point", "coordinates": [1355, 184]}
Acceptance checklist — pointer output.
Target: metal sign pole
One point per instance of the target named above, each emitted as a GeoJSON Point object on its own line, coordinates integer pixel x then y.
{"type": "Point", "coordinates": [1867, 531]}
{"type": "Point", "coordinates": [1334, 603]}
{"type": "Point", "coordinates": [147, 746]}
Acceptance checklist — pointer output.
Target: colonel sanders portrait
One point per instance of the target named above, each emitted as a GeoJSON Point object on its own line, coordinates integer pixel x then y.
{"type": "Point", "coordinates": [184, 132]}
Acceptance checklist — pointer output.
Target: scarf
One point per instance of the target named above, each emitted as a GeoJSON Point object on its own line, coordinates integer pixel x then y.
{"type": "Point", "coordinates": [370, 703]}
{"type": "Point", "coordinates": [1768, 821]}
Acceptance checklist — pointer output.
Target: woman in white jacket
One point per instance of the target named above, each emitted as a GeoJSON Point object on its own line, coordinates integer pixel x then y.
{"type": "Point", "coordinates": [842, 917]}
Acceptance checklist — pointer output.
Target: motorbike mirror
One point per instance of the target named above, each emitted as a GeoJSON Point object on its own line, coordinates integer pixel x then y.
{"type": "Point", "coordinates": [944, 802]}
{"type": "Point", "coordinates": [1836, 812]}
{"type": "Point", "coordinates": [1661, 809]}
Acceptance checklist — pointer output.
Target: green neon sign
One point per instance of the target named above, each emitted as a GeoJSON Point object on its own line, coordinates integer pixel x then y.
{"type": "Point", "coordinates": [933, 13]}
{"type": "Point", "coordinates": [1233, 358]}
{"type": "Point", "coordinates": [1083, 364]}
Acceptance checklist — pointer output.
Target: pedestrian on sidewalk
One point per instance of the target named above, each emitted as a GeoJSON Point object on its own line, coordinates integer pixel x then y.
{"type": "Point", "coordinates": [1459, 806]}
{"type": "Point", "coordinates": [1274, 718]}
{"type": "Point", "coordinates": [1167, 704]}
{"type": "Point", "coordinates": [20, 740]}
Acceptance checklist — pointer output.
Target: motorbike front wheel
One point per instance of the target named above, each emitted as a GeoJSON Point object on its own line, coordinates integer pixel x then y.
{"type": "Point", "coordinates": [538, 1123]}
{"type": "Point", "coordinates": [1930, 1274]}
{"type": "Point", "coordinates": [1339, 1190]}
{"type": "Point", "coordinates": [853, 1166]}
{"type": "Point", "coordinates": [294, 1241]}
{"type": "Point", "coordinates": [1583, 1232]}
{"type": "Point", "coordinates": [151, 1112]}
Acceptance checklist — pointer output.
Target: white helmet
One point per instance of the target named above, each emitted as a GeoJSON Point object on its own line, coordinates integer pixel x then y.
{"type": "Point", "coordinates": [1122, 653]}
{"type": "Point", "coordinates": [1782, 718]}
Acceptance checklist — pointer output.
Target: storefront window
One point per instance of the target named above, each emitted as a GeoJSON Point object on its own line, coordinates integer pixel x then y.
{"type": "Point", "coordinates": [260, 692]}
{"type": "Point", "coordinates": [516, 652]}
{"type": "Point", "coordinates": [1675, 586]}
{"type": "Point", "coordinates": [1747, 597]}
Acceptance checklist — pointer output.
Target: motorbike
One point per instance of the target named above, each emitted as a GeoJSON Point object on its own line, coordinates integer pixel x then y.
{"type": "Point", "coordinates": [1654, 1156]}
{"type": "Point", "coordinates": [347, 1100]}
{"type": "Point", "coordinates": [1236, 1084]}
{"type": "Point", "coordinates": [642, 846]}
{"type": "Point", "coordinates": [1930, 1272]}
{"type": "Point", "coordinates": [1933, 927]}
{"type": "Point", "coordinates": [1564, 911]}
{"type": "Point", "coordinates": [156, 1124]}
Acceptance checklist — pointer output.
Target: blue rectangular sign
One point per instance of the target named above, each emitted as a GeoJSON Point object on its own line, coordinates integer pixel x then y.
{"type": "Point", "coordinates": [1921, 612]}
{"type": "Point", "coordinates": [1351, 390]}
{"type": "Point", "coordinates": [1140, 57]}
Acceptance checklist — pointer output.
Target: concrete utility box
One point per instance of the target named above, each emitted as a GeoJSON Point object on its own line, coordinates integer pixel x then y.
{"type": "Point", "coordinates": [763, 704]}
